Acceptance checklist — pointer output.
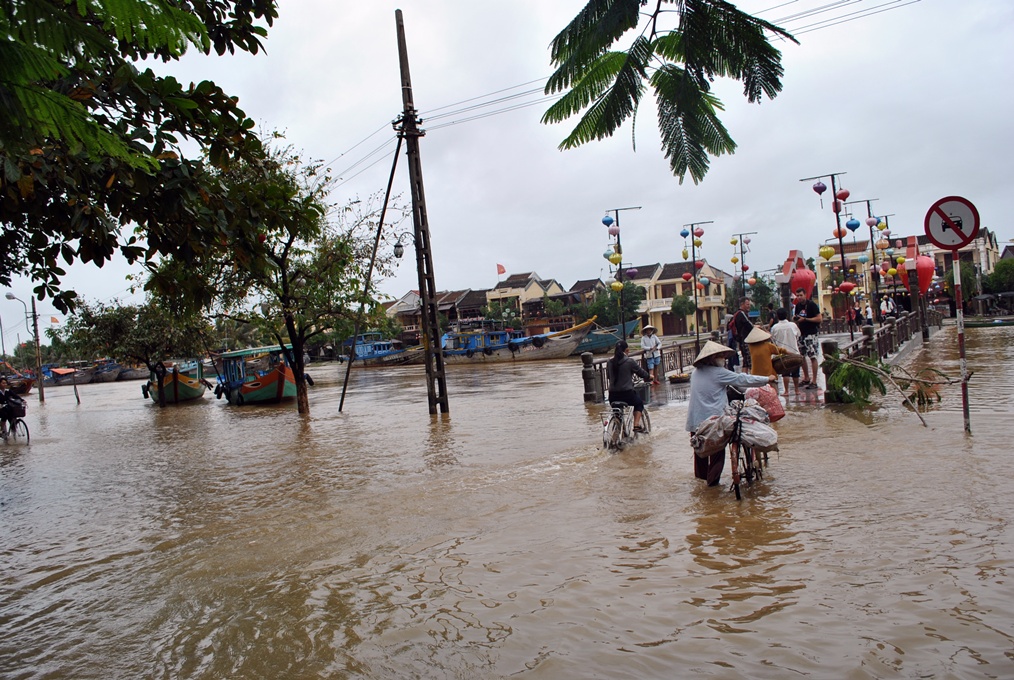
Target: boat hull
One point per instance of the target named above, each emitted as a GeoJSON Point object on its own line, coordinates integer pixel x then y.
{"type": "Point", "coordinates": [538, 348]}
{"type": "Point", "coordinates": [273, 387]}
{"type": "Point", "coordinates": [178, 388]}
{"type": "Point", "coordinates": [604, 339]}
{"type": "Point", "coordinates": [133, 374]}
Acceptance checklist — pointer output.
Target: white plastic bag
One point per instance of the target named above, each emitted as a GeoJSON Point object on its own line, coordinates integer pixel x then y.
{"type": "Point", "coordinates": [711, 436]}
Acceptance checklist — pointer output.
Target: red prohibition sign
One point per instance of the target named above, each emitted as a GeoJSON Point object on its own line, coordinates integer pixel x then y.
{"type": "Point", "coordinates": [952, 223]}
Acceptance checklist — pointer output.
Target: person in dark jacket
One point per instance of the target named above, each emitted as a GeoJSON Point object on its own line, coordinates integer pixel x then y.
{"type": "Point", "coordinates": [5, 391]}
{"type": "Point", "coordinates": [621, 370]}
{"type": "Point", "coordinates": [741, 328]}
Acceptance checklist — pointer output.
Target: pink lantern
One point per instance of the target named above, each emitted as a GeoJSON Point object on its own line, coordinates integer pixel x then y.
{"type": "Point", "coordinates": [885, 265]}
{"type": "Point", "coordinates": [699, 264]}
{"type": "Point", "coordinates": [687, 276]}
{"type": "Point", "coordinates": [698, 232]}
{"type": "Point", "coordinates": [836, 206]}
{"type": "Point", "coordinates": [872, 222]}
{"type": "Point", "coordinates": [802, 278]}
{"type": "Point", "coordinates": [898, 243]}
{"type": "Point", "coordinates": [613, 230]}
{"type": "Point", "coordinates": [925, 270]}
{"type": "Point", "coordinates": [843, 194]}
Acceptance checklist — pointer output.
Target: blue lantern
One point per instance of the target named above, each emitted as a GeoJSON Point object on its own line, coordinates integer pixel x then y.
{"type": "Point", "coordinates": [853, 224]}
{"type": "Point", "coordinates": [705, 280]}
{"type": "Point", "coordinates": [607, 220]}
{"type": "Point", "coordinates": [684, 232]}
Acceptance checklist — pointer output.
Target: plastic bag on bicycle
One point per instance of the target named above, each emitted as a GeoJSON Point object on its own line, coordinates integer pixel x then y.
{"type": "Point", "coordinates": [768, 399]}
{"type": "Point", "coordinates": [758, 435]}
{"type": "Point", "coordinates": [712, 435]}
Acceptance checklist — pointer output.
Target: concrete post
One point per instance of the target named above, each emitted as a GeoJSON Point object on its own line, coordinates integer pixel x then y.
{"type": "Point", "coordinates": [829, 348]}
{"type": "Point", "coordinates": [871, 347]}
{"type": "Point", "coordinates": [892, 329]}
{"type": "Point", "coordinates": [594, 391]}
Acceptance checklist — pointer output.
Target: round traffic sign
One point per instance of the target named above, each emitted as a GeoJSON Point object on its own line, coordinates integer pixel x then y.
{"type": "Point", "coordinates": [952, 223]}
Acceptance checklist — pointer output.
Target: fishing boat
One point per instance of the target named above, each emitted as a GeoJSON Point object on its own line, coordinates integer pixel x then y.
{"type": "Point", "coordinates": [134, 373]}
{"type": "Point", "coordinates": [372, 349]}
{"type": "Point", "coordinates": [259, 375]}
{"type": "Point", "coordinates": [72, 375]}
{"type": "Point", "coordinates": [106, 371]}
{"type": "Point", "coordinates": [984, 323]}
{"type": "Point", "coordinates": [601, 340]}
{"type": "Point", "coordinates": [17, 382]}
{"type": "Point", "coordinates": [493, 346]}
{"type": "Point", "coordinates": [184, 381]}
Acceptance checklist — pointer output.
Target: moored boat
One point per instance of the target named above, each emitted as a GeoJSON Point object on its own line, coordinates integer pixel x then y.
{"type": "Point", "coordinates": [492, 346]}
{"type": "Point", "coordinates": [256, 375]}
{"type": "Point", "coordinates": [373, 350]}
{"type": "Point", "coordinates": [184, 381]}
{"type": "Point", "coordinates": [107, 371]}
{"type": "Point", "coordinates": [134, 373]}
{"type": "Point", "coordinates": [72, 376]}
{"type": "Point", "coordinates": [601, 340]}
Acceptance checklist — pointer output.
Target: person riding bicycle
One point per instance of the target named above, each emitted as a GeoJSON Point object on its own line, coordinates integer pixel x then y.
{"type": "Point", "coordinates": [621, 370]}
{"type": "Point", "coordinates": [5, 415]}
{"type": "Point", "coordinates": [708, 398]}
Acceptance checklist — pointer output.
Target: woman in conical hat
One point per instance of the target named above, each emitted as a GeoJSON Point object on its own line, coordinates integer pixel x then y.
{"type": "Point", "coordinates": [761, 350]}
{"type": "Point", "coordinates": [708, 398]}
{"type": "Point", "coordinates": [651, 348]}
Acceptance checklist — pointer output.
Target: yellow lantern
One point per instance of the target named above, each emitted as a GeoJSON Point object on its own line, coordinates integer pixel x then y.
{"type": "Point", "coordinates": [881, 225]}
{"type": "Point", "coordinates": [892, 271]}
{"type": "Point", "coordinates": [697, 242]}
{"type": "Point", "coordinates": [734, 240]}
{"type": "Point", "coordinates": [734, 259]}
{"type": "Point", "coordinates": [616, 285]}
{"type": "Point", "coordinates": [900, 259]}
{"type": "Point", "coordinates": [686, 253]}
{"type": "Point", "coordinates": [615, 258]}
{"type": "Point", "coordinates": [826, 252]}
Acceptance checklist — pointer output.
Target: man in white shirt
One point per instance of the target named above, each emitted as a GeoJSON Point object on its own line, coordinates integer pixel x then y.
{"type": "Point", "coordinates": [887, 307]}
{"type": "Point", "coordinates": [651, 345]}
{"type": "Point", "coordinates": [786, 335]}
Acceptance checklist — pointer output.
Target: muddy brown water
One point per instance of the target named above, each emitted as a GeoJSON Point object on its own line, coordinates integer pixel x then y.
{"type": "Point", "coordinates": [209, 541]}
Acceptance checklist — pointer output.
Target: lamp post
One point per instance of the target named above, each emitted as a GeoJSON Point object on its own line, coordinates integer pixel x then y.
{"type": "Point", "coordinates": [613, 226]}
{"type": "Point", "coordinates": [695, 229]}
{"type": "Point", "coordinates": [38, 350]}
{"type": "Point", "coordinates": [744, 241]}
{"type": "Point", "coordinates": [838, 198]}
{"type": "Point", "coordinates": [3, 346]}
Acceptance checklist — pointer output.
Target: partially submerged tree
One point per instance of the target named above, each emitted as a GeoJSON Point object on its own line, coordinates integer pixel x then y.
{"type": "Point", "coordinates": [91, 145]}
{"type": "Point", "coordinates": [151, 334]}
{"type": "Point", "coordinates": [711, 39]}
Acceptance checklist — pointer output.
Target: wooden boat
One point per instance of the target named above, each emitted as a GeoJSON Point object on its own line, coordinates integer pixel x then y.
{"type": "Point", "coordinates": [259, 375]}
{"type": "Point", "coordinates": [184, 381]}
{"type": "Point", "coordinates": [602, 340]}
{"type": "Point", "coordinates": [493, 346]}
{"type": "Point", "coordinates": [18, 382]}
{"type": "Point", "coordinates": [134, 373]}
{"type": "Point", "coordinates": [72, 376]}
{"type": "Point", "coordinates": [983, 323]}
{"type": "Point", "coordinates": [107, 371]}
{"type": "Point", "coordinates": [373, 350]}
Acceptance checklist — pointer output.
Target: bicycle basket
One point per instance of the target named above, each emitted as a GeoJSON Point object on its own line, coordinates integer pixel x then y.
{"type": "Point", "coordinates": [16, 407]}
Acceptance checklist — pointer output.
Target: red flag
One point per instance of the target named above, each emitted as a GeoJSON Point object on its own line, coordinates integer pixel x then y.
{"type": "Point", "coordinates": [53, 319]}
{"type": "Point", "coordinates": [500, 269]}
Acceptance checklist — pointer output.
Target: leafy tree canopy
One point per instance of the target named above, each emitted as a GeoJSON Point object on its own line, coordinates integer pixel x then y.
{"type": "Point", "coordinates": [91, 143]}
{"type": "Point", "coordinates": [710, 39]}
{"type": "Point", "coordinates": [1001, 280]}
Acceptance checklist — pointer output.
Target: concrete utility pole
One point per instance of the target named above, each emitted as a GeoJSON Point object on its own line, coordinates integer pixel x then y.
{"type": "Point", "coordinates": [436, 380]}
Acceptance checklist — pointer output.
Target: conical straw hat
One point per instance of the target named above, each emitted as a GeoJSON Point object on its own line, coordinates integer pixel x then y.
{"type": "Point", "coordinates": [758, 334]}
{"type": "Point", "coordinates": [712, 348]}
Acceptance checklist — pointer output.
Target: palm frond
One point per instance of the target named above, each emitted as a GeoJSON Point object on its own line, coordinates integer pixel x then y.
{"type": "Point", "coordinates": [588, 36]}
{"type": "Point", "coordinates": [689, 124]}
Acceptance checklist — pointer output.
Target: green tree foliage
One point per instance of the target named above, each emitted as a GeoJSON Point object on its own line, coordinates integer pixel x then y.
{"type": "Point", "coordinates": [969, 285]}
{"type": "Point", "coordinates": [91, 143]}
{"type": "Point", "coordinates": [317, 254]}
{"type": "Point", "coordinates": [683, 305]}
{"type": "Point", "coordinates": [1001, 280]}
{"type": "Point", "coordinates": [606, 305]}
{"type": "Point", "coordinates": [679, 52]}
{"type": "Point", "coordinates": [151, 334]}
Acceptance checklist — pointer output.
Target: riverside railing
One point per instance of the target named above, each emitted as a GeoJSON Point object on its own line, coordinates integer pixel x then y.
{"type": "Point", "coordinates": [676, 356]}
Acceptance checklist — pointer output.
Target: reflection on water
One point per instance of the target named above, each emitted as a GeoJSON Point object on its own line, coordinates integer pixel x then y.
{"type": "Point", "coordinates": [211, 541]}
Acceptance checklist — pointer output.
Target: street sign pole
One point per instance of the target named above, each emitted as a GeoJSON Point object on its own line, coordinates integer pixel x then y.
{"type": "Point", "coordinates": [961, 339]}
{"type": "Point", "coordinates": [951, 224]}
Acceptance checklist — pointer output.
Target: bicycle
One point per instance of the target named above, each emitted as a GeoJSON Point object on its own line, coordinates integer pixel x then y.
{"type": "Point", "coordinates": [742, 453]}
{"type": "Point", "coordinates": [16, 428]}
{"type": "Point", "coordinates": [618, 426]}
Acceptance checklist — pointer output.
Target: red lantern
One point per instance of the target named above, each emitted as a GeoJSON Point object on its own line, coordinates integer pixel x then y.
{"type": "Point", "coordinates": [925, 270]}
{"type": "Point", "coordinates": [802, 278]}
{"type": "Point", "coordinates": [745, 268]}
{"type": "Point", "coordinates": [846, 287]}
{"type": "Point", "coordinates": [700, 286]}
{"type": "Point", "coordinates": [843, 194]}
{"type": "Point", "coordinates": [840, 233]}
{"type": "Point", "coordinates": [699, 264]}
{"type": "Point", "coordinates": [687, 276]}
{"type": "Point", "coordinates": [699, 232]}
{"type": "Point", "coordinates": [836, 206]}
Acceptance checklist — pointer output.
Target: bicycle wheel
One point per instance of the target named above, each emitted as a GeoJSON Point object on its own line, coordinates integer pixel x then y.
{"type": "Point", "coordinates": [734, 458]}
{"type": "Point", "coordinates": [755, 458]}
{"type": "Point", "coordinates": [612, 433]}
{"type": "Point", "coordinates": [645, 422]}
{"type": "Point", "coordinates": [19, 431]}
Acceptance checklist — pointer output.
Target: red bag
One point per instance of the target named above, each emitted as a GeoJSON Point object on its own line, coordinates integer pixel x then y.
{"type": "Point", "coordinates": [768, 399]}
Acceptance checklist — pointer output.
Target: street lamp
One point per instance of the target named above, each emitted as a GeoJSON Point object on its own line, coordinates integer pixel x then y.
{"type": "Point", "coordinates": [695, 229]}
{"type": "Point", "coordinates": [838, 197]}
{"type": "Point", "coordinates": [38, 350]}
{"type": "Point", "coordinates": [616, 258]}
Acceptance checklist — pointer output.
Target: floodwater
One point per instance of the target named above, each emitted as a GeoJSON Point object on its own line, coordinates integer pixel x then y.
{"type": "Point", "coordinates": [209, 541]}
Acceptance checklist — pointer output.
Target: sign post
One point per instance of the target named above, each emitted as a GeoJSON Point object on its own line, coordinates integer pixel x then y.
{"type": "Point", "coordinates": [951, 224]}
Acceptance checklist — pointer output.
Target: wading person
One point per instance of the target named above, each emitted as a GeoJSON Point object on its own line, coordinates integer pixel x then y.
{"type": "Point", "coordinates": [708, 398]}
{"type": "Point", "coordinates": [808, 318]}
{"type": "Point", "coordinates": [761, 351]}
{"type": "Point", "coordinates": [741, 327]}
{"type": "Point", "coordinates": [785, 334]}
{"type": "Point", "coordinates": [621, 370]}
{"type": "Point", "coordinates": [652, 348]}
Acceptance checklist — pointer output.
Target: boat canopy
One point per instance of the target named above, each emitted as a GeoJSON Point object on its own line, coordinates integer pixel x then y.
{"type": "Point", "coordinates": [252, 351]}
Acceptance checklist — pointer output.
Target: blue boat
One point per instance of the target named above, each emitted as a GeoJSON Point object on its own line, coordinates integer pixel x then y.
{"type": "Point", "coordinates": [602, 340]}
{"type": "Point", "coordinates": [493, 346]}
{"type": "Point", "coordinates": [374, 350]}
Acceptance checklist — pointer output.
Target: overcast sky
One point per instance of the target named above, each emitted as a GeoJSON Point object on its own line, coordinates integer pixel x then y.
{"type": "Point", "coordinates": [912, 104]}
